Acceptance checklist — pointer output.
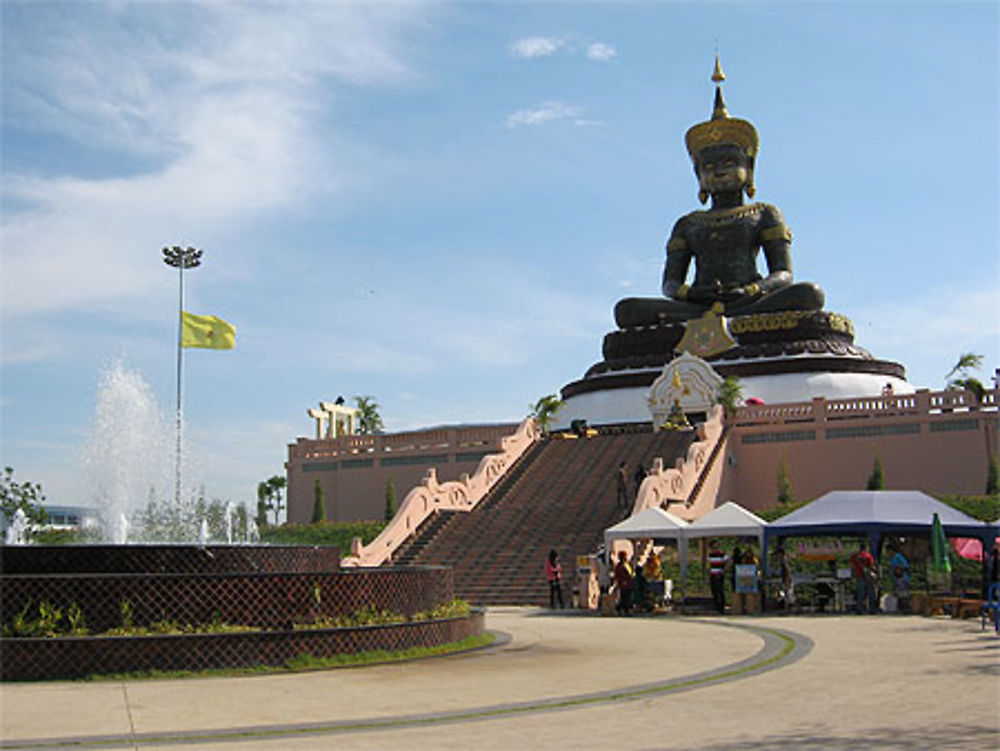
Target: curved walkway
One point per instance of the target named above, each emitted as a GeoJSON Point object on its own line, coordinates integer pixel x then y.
{"type": "Point", "coordinates": [564, 681]}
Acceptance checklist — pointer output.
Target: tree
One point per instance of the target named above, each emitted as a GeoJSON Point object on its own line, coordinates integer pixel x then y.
{"type": "Point", "coordinates": [969, 384]}
{"type": "Point", "coordinates": [319, 504]}
{"type": "Point", "coordinates": [966, 362]}
{"type": "Point", "coordinates": [992, 476]}
{"type": "Point", "coordinates": [262, 505]}
{"type": "Point", "coordinates": [369, 419]}
{"type": "Point", "coordinates": [729, 395]}
{"type": "Point", "coordinates": [269, 496]}
{"type": "Point", "coordinates": [959, 376]}
{"type": "Point", "coordinates": [784, 484]}
{"type": "Point", "coordinates": [545, 409]}
{"type": "Point", "coordinates": [876, 480]}
{"type": "Point", "coordinates": [26, 496]}
{"type": "Point", "coordinates": [390, 500]}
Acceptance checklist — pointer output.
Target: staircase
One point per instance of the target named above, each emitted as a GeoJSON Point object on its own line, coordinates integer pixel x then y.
{"type": "Point", "coordinates": [560, 496]}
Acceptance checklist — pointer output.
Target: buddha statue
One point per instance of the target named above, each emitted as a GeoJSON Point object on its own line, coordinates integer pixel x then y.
{"type": "Point", "coordinates": [676, 419]}
{"type": "Point", "coordinates": [725, 240]}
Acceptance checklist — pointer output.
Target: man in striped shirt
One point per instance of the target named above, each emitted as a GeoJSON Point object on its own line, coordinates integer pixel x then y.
{"type": "Point", "coordinates": [717, 560]}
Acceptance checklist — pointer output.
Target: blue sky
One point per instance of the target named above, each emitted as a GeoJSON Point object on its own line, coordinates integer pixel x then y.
{"type": "Point", "coordinates": [439, 203]}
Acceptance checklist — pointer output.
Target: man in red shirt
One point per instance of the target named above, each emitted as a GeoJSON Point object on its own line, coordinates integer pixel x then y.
{"type": "Point", "coordinates": [863, 569]}
{"type": "Point", "coordinates": [717, 560]}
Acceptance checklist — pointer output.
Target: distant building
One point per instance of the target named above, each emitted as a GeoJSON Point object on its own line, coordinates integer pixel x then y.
{"type": "Point", "coordinates": [62, 517]}
{"type": "Point", "coordinates": [70, 517]}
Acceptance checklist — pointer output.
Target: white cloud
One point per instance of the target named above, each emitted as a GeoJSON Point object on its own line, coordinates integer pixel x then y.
{"type": "Point", "coordinates": [928, 336]}
{"type": "Point", "coordinates": [532, 47]}
{"type": "Point", "coordinates": [220, 108]}
{"type": "Point", "coordinates": [544, 113]}
{"type": "Point", "coordinates": [600, 51]}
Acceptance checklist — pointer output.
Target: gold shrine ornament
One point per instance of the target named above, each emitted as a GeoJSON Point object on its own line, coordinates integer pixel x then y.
{"type": "Point", "coordinates": [707, 336]}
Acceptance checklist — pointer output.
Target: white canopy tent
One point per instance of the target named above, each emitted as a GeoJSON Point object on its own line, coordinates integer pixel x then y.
{"type": "Point", "coordinates": [728, 520]}
{"type": "Point", "coordinates": [650, 524]}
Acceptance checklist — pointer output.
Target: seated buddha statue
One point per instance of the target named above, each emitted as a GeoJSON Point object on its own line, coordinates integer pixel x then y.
{"type": "Point", "coordinates": [724, 241]}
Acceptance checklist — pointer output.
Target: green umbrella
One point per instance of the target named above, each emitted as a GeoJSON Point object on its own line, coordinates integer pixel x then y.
{"type": "Point", "coordinates": [939, 548]}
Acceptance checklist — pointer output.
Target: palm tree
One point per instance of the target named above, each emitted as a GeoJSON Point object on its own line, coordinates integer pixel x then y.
{"type": "Point", "coordinates": [545, 409]}
{"type": "Point", "coordinates": [729, 395]}
{"type": "Point", "coordinates": [966, 362]}
{"type": "Point", "coordinates": [959, 378]}
{"type": "Point", "coordinates": [369, 420]}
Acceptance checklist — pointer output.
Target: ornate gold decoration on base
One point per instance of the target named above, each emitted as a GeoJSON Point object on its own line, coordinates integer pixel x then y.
{"type": "Point", "coordinates": [707, 336]}
{"type": "Point", "coordinates": [788, 319]}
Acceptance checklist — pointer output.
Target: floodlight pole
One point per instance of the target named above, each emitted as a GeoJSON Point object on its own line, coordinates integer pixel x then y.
{"type": "Point", "coordinates": [180, 258]}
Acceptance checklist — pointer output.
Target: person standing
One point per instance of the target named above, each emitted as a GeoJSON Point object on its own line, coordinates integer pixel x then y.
{"type": "Point", "coordinates": [717, 560]}
{"type": "Point", "coordinates": [737, 558]}
{"type": "Point", "coordinates": [622, 480]}
{"type": "Point", "coordinates": [900, 569]}
{"type": "Point", "coordinates": [638, 477]}
{"type": "Point", "coordinates": [751, 600]}
{"type": "Point", "coordinates": [640, 590]}
{"type": "Point", "coordinates": [863, 571]}
{"type": "Point", "coordinates": [553, 573]}
{"type": "Point", "coordinates": [786, 594]}
{"type": "Point", "coordinates": [625, 583]}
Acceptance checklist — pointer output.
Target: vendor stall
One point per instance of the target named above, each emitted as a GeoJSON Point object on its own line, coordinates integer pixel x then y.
{"type": "Point", "coordinates": [871, 515]}
{"type": "Point", "coordinates": [651, 524]}
{"type": "Point", "coordinates": [732, 520]}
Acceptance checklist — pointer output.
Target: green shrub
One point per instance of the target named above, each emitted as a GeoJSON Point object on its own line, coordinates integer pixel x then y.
{"type": "Point", "coordinates": [784, 484]}
{"type": "Point", "coordinates": [338, 534]}
{"type": "Point", "coordinates": [319, 503]}
{"type": "Point", "coordinates": [390, 500]}
{"type": "Point", "coordinates": [876, 480]}
{"type": "Point", "coordinates": [985, 508]}
{"type": "Point", "coordinates": [371, 616]}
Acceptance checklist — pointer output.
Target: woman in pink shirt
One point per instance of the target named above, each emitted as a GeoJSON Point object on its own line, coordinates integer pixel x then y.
{"type": "Point", "coordinates": [553, 573]}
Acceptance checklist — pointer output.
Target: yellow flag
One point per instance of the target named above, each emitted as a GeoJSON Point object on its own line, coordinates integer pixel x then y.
{"type": "Point", "coordinates": [207, 332]}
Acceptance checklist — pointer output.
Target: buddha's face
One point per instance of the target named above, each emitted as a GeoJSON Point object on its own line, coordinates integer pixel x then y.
{"type": "Point", "coordinates": [723, 169]}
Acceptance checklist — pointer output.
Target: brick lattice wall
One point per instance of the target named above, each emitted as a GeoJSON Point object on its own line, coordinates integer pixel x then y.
{"type": "Point", "coordinates": [266, 587]}
{"type": "Point", "coordinates": [46, 659]}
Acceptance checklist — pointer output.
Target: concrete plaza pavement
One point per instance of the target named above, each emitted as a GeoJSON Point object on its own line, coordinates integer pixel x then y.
{"type": "Point", "coordinates": [559, 680]}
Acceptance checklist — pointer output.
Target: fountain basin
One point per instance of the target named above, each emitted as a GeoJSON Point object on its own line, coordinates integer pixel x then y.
{"type": "Point", "coordinates": [267, 587]}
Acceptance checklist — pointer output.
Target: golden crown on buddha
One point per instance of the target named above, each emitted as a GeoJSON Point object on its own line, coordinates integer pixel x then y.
{"type": "Point", "coordinates": [723, 130]}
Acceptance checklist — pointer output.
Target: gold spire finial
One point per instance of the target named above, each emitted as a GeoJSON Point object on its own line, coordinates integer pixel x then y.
{"type": "Point", "coordinates": [717, 75]}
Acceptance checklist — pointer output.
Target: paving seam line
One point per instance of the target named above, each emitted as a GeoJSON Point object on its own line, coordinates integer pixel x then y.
{"type": "Point", "coordinates": [780, 649]}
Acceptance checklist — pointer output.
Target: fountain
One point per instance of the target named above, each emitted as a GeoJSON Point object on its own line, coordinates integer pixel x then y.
{"type": "Point", "coordinates": [157, 565]}
{"type": "Point", "coordinates": [17, 532]}
{"type": "Point", "coordinates": [129, 458]}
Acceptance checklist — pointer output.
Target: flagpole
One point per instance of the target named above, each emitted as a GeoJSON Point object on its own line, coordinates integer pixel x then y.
{"type": "Point", "coordinates": [180, 372]}
{"type": "Point", "coordinates": [182, 258]}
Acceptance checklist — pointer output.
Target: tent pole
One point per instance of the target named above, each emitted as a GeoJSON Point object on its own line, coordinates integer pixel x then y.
{"type": "Point", "coordinates": [765, 572]}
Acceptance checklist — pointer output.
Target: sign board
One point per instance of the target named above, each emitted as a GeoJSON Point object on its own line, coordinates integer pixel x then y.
{"type": "Point", "coordinates": [746, 578]}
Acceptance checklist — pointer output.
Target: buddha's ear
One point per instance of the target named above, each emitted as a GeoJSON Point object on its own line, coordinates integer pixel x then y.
{"type": "Point", "coordinates": [749, 187]}
{"type": "Point", "coordinates": [703, 196]}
